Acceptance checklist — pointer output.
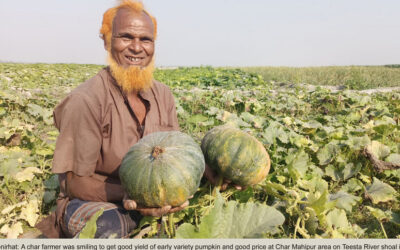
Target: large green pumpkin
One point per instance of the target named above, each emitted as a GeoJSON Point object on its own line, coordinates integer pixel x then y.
{"type": "Point", "coordinates": [163, 168]}
{"type": "Point", "coordinates": [235, 155]}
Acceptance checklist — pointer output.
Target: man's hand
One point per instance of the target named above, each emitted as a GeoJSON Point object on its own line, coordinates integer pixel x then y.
{"type": "Point", "coordinates": [213, 178]}
{"type": "Point", "coordinates": [152, 211]}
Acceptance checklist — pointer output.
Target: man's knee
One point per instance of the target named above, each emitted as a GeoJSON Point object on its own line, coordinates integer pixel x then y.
{"type": "Point", "coordinates": [114, 222]}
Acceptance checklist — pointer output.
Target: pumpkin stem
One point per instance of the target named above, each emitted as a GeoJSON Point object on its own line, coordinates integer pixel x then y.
{"type": "Point", "coordinates": [171, 225]}
{"type": "Point", "coordinates": [157, 150]}
{"type": "Point", "coordinates": [163, 228]}
{"type": "Point", "coordinates": [218, 186]}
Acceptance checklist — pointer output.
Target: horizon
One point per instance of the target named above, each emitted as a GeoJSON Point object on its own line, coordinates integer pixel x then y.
{"type": "Point", "coordinates": [396, 65]}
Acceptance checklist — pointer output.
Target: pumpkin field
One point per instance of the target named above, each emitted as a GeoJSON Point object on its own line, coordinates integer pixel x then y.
{"type": "Point", "coordinates": [335, 151]}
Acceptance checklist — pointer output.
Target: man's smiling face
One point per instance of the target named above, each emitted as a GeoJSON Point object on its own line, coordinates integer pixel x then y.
{"type": "Point", "coordinates": [132, 42]}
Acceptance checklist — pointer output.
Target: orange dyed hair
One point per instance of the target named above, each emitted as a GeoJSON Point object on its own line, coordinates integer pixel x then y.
{"type": "Point", "coordinates": [109, 15]}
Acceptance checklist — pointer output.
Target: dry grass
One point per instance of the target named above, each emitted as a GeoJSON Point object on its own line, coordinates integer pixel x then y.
{"type": "Point", "coordinates": [353, 77]}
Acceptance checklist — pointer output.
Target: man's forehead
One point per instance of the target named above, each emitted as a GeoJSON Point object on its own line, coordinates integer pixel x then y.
{"type": "Point", "coordinates": [125, 14]}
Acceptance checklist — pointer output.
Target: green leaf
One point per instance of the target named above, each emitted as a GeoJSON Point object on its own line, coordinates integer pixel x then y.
{"type": "Point", "coordinates": [337, 134]}
{"type": "Point", "coordinates": [300, 141]}
{"type": "Point", "coordinates": [34, 109]}
{"type": "Point", "coordinates": [350, 170]}
{"type": "Point", "coordinates": [213, 111]}
{"type": "Point", "coordinates": [30, 212]}
{"type": "Point", "coordinates": [13, 231]}
{"type": "Point", "coordinates": [10, 208]}
{"type": "Point", "coordinates": [27, 174]}
{"type": "Point", "coordinates": [327, 154]}
{"type": "Point", "coordinates": [2, 111]}
{"type": "Point", "coordinates": [393, 158]}
{"type": "Point", "coordinates": [197, 118]}
{"type": "Point", "coordinates": [4, 229]}
{"type": "Point", "coordinates": [316, 184]}
{"type": "Point", "coordinates": [44, 151]}
{"type": "Point", "coordinates": [4, 132]}
{"type": "Point", "coordinates": [150, 221]}
{"type": "Point", "coordinates": [380, 191]}
{"type": "Point", "coordinates": [344, 200]}
{"type": "Point", "coordinates": [207, 123]}
{"type": "Point", "coordinates": [283, 137]}
{"type": "Point", "coordinates": [12, 160]}
{"type": "Point", "coordinates": [232, 119]}
{"type": "Point", "coordinates": [49, 196]}
{"type": "Point", "coordinates": [379, 214]}
{"type": "Point", "coordinates": [311, 125]}
{"type": "Point", "coordinates": [52, 183]}
{"type": "Point", "coordinates": [89, 231]}
{"type": "Point", "coordinates": [357, 143]}
{"type": "Point", "coordinates": [332, 172]}
{"type": "Point", "coordinates": [353, 117]}
{"type": "Point", "coordinates": [223, 221]}
{"type": "Point", "coordinates": [352, 185]}
{"type": "Point", "coordinates": [395, 218]}
{"type": "Point", "coordinates": [385, 120]}
{"type": "Point", "coordinates": [255, 121]}
{"type": "Point", "coordinates": [379, 150]}
{"type": "Point", "coordinates": [320, 202]}
{"type": "Point", "coordinates": [297, 163]}
{"type": "Point", "coordinates": [287, 120]}
{"type": "Point", "coordinates": [384, 124]}
{"type": "Point", "coordinates": [337, 218]}
{"type": "Point", "coordinates": [244, 195]}
{"type": "Point", "coordinates": [273, 131]}
{"type": "Point", "coordinates": [365, 178]}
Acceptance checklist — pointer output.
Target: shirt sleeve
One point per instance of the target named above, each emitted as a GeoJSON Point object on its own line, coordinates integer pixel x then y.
{"type": "Point", "coordinates": [79, 142]}
{"type": "Point", "coordinates": [173, 118]}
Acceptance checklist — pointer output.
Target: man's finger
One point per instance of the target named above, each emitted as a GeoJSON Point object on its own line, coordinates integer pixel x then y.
{"type": "Point", "coordinates": [175, 209]}
{"type": "Point", "coordinates": [148, 211]}
{"type": "Point", "coordinates": [165, 210]}
{"type": "Point", "coordinates": [224, 186]}
{"type": "Point", "coordinates": [156, 212]}
{"type": "Point", "coordinates": [185, 204]}
{"type": "Point", "coordinates": [129, 204]}
{"type": "Point", "coordinates": [179, 208]}
{"type": "Point", "coordinates": [238, 187]}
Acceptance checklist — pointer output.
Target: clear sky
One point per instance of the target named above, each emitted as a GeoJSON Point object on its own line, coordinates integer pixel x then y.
{"type": "Point", "coordinates": [212, 32]}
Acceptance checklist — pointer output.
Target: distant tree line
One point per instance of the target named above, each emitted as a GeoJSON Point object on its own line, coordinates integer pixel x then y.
{"type": "Point", "coordinates": [392, 65]}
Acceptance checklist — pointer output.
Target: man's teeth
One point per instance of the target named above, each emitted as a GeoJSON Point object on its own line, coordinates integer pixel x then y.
{"type": "Point", "coordinates": [134, 59]}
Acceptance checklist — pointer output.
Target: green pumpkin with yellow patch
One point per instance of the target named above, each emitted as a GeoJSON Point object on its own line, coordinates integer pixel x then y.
{"type": "Point", "coordinates": [163, 168]}
{"type": "Point", "coordinates": [235, 155]}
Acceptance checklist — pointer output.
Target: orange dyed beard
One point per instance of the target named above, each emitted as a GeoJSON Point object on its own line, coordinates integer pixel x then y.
{"type": "Point", "coordinates": [133, 78]}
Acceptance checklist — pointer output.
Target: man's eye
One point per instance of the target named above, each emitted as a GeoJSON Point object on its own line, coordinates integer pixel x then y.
{"type": "Point", "coordinates": [146, 40]}
{"type": "Point", "coordinates": [126, 39]}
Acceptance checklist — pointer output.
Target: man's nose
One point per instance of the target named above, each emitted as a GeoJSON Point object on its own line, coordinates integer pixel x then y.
{"type": "Point", "coordinates": [136, 45]}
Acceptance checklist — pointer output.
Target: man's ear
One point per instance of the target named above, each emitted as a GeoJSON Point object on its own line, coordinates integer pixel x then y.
{"type": "Point", "coordinates": [104, 42]}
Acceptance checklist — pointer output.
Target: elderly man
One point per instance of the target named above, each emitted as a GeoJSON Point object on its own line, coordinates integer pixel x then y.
{"type": "Point", "coordinates": [100, 120]}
